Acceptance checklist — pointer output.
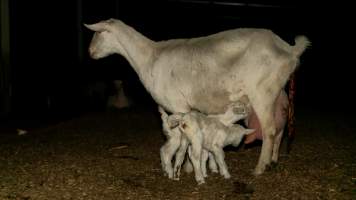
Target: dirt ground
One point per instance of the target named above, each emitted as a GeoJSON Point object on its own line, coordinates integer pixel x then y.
{"type": "Point", "coordinates": [115, 155]}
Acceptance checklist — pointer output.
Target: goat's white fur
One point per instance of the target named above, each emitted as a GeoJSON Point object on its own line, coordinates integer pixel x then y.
{"type": "Point", "coordinates": [207, 73]}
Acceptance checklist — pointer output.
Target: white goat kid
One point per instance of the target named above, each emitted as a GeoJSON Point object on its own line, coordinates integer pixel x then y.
{"type": "Point", "coordinates": [235, 112]}
{"type": "Point", "coordinates": [172, 144]}
{"type": "Point", "coordinates": [205, 134]}
{"type": "Point", "coordinates": [207, 73]}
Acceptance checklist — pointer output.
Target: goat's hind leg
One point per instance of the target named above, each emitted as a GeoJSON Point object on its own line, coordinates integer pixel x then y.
{"type": "Point", "coordinates": [212, 163]}
{"type": "Point", "coordinates": [220, 159]}
{"type": "Point", "coordinates": [264, 108]}
{"type": "Point", "coordinates": [276, 146]}
{"type": "Point", "coordinates": [167, 152]}
{"type": "Point", "coordinates": [195, 151]}
{"type": "Point", "coordinates": [179, 157]}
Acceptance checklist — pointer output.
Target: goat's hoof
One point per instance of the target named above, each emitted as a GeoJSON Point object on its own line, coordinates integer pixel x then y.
{"type": "Point", "coordinates": [227, 176]}
{"type": "Point", "coordinates": [200, 182]}
{"type": "Point", "coordinates": [270, 167]}
{"type": "Point", "coordinates": [258, 171]}
{"type": "Point", "coordinates": [176, 178]}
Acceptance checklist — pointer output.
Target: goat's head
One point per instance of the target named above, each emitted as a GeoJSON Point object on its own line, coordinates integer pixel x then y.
{"type": "Point", "coordinates": [238, 133]}
{"type": "Point", "coordinates": [104, 42]}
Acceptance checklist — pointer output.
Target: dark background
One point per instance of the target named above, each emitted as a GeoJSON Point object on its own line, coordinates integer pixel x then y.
{"type": "Point", "coordinates": [49, 64]}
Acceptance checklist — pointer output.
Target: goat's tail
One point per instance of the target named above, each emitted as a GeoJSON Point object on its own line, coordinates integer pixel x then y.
{"type": "Point", "coordinates": [301, 43]}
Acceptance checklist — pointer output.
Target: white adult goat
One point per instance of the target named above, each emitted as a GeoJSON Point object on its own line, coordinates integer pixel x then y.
{"type": "Point", "coordinates": [207, 73]}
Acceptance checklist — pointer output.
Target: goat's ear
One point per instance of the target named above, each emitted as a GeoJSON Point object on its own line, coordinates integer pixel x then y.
{"type": "Point", "coordinates": [98, 27]}
{"type": "Point", "coordinates": [249, 131]}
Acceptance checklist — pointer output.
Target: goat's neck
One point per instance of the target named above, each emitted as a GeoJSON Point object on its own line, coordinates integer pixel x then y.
{"type": "Point", "coordinates": [136, 48]}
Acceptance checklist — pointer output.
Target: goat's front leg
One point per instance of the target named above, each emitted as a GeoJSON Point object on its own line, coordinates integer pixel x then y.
{"type": "Point", "coordinates": [204, 159]}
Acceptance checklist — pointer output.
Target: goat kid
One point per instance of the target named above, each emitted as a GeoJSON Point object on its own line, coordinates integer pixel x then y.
{"type": "Point", "coordinates": [206, 136]}
{"type": "Point", "coordinates": [235, 112]}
